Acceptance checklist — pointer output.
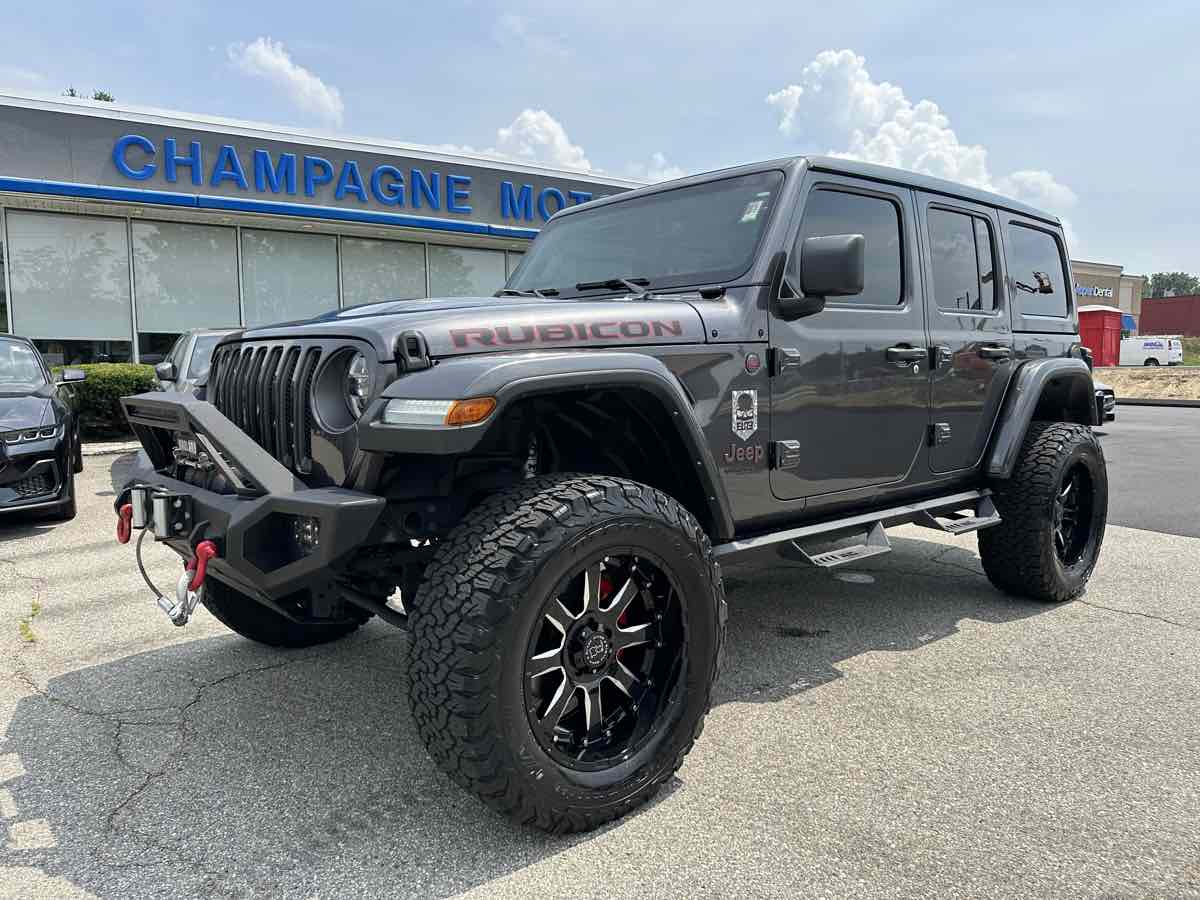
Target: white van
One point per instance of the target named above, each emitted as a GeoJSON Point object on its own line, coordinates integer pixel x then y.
{"type": "Point", "coordinates": [1150, 350]}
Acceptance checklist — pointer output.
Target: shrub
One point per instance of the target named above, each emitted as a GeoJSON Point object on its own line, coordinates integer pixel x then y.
{"type": "Point", "coordinates": [98, 399]}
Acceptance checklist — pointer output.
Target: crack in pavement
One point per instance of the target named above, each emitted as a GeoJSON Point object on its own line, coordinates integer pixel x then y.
{"type": "Point", "coordinates": [1132, 612]}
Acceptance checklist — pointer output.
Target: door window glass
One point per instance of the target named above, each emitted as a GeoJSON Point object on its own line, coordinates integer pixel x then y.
{"type": "Point", "coordinates": [960, 249]}
{"type": "Point", "coordinates": [1036, 267]}
{"type": "Point", "coordinates": [878, 221]}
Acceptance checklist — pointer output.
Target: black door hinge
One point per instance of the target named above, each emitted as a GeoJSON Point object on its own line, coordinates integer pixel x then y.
{"type": "Point", "coordinates": [785, 454]}
{"type": "Point", "coordinates": [939, 433]}
{"type": "Point", "coordinates": [784, 358]}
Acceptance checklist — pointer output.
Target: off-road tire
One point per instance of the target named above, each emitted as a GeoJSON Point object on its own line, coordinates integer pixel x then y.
{"type": "Point", "coordinates": [1019, 554]}
{"type": "Point", "coordinates": [258, 623]}
{"type": "Point", "coordinates": [470, 623]}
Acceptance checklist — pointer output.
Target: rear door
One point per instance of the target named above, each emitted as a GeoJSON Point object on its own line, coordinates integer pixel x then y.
{"type": "Point", "coordinates": [850, 384]}
{"type": "Point", "coordinates": [971, 343]}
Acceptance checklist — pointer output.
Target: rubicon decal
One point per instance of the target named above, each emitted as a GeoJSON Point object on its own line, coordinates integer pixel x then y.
{"type": "Point", "coordinates": [566, 332]}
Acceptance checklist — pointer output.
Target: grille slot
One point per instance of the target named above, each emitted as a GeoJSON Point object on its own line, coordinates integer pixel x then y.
{"type": "Point", "coordinates": [34, 485]}
{"type": "Point", "coordinates": [265, 389]}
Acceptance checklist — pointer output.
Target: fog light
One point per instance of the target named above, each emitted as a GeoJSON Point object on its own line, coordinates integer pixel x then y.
{"type": "Point", "coordinates": [306, 532]}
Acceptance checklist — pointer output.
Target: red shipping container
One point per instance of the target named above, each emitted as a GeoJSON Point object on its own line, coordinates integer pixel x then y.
{"type": "Point", "coordinates": [1100, 332]}
{"type": "Point", "coordinates": [1171, 315]}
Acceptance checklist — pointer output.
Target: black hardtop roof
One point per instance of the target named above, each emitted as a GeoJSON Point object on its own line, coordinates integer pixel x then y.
{"type": "Point", "coordinates": [839, 166]}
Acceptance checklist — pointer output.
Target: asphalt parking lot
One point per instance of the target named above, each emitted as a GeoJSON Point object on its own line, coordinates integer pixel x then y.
{"type": "Point", "coordinates": [899, 730]}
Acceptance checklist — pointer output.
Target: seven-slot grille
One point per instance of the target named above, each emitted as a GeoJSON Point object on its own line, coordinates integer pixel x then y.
{"type": "Point", "coordinates": [265, 389]}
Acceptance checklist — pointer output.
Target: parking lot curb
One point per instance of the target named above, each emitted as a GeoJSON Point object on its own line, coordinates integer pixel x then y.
{"type": "Point", "coordinates": [1137, 402]}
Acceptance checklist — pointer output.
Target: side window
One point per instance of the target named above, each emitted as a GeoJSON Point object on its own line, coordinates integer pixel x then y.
{"type": "Point", "coordinates": [830, 212]}
{"type": "Point", "coordinates": [960, 249]}
{"type": "Point", "coordinates": [1036, 265]}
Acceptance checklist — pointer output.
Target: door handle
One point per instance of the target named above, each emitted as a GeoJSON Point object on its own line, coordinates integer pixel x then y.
{"type": "Point", "coordinates": [903, 355]}
{"type": "Point", "coordinates": [995, 352]}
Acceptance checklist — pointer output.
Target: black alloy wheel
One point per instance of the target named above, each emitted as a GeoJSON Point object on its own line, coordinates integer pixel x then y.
{"type": "Point", "coordinates": [1073, 515]}
{"type": "Point", "coordinates": [602, 660]}
{"type": "Point", "coordinates": [565, 639]}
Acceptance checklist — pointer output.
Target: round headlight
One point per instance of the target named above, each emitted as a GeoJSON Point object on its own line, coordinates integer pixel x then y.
{"type": "Point", "coordinates": [358, 385]}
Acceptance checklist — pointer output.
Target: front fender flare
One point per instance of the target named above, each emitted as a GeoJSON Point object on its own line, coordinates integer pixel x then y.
{"type": "Point", "coordinates": [513, 377]}
{"type": "Point", "coordinates": [1059, 389]}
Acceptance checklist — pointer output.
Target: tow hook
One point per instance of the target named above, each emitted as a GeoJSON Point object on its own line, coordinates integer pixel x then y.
{"type": "Point", "coordinates": [189, 590]}
{"type": "Point", "coordinates": [124, 523]}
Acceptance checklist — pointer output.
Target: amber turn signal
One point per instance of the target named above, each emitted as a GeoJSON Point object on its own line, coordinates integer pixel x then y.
{"type": "Point", "coordinates": [468, 412]}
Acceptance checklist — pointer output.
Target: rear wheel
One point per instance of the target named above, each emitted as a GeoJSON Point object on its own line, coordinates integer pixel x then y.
{"type": "Point", "coordinates": [565, 643]}
{"type": "Point", "coordinates": [259, 623]}
{"type": "Point", "coordinates": [1151, 362]}
{"type": "Point", "coordinates": [1053, 511]}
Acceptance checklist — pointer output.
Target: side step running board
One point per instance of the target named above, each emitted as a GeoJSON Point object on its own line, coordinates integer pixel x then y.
{"type": "Point", "coordinates": [957, 522]}
{"type": "Point", "coordinates": [943, 513]}
{"type": "Point", "coordinates": [875, 542]}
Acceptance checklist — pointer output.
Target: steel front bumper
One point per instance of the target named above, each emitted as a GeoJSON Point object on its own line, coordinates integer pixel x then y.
{"type": "Point", "coordinates": [255, 527]}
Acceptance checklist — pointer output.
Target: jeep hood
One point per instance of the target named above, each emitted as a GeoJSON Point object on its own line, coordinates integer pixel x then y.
{"type": "Point", "coordinates": [457, 325]}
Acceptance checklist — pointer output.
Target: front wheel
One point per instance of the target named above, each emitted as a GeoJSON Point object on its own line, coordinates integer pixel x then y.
{"type": "Point", "coordinates": [565, 643]}
{"type": "Point", "coordinates": [1053, 511]}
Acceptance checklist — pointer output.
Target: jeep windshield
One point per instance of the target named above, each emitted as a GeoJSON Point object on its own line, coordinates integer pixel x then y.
{"type": "Point", "coordinates": [699, 234]}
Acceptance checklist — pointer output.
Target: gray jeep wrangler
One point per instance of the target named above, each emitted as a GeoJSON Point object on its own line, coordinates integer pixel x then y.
{"type": "Point", "coordinates": [786, 357]}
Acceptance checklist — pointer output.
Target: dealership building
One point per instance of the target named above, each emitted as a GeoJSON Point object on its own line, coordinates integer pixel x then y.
{"type": "Point", "coordinates": [121, 228]}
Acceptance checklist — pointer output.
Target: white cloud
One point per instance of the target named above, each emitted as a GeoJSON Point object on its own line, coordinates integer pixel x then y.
{"type": "Point", "coordinates": [269, 59]}
{"type": "Point", "coordinates": [537, 136]}
{"type": "Point", "coordinates": [512, 29]}
{"type": "Point", "coordinates": [657, 169]}
{"type": "Point", "coordinates": [836, 102]}
{"type": "Point", "coordinates": [15, 76]}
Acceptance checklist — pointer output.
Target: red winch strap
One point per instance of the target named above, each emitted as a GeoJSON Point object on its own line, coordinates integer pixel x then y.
{"type": "Point", "coordinates": [124, 522]}
{"type": "Point", "coordinates": [205, 551]}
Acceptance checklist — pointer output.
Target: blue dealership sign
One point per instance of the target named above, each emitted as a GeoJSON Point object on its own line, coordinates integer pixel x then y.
{"type": "Point", "coordinates": [417, 186]}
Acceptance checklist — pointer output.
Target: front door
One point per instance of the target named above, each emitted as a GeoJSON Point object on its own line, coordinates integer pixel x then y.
{"type": "Point", "coordinates": [969, 330]}
{"type": "Point", "coordinates": [850, 385]}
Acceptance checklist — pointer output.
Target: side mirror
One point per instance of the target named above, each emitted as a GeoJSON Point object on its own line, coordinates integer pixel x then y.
{"type": "Point", "coordinates": [68, 375]}
{"type": "Point", "coordinates": [830, 266]}
{"type": "Point", "coordinates": [1044, 284]}
{"type": "Point", "coordinates": [165, 371]}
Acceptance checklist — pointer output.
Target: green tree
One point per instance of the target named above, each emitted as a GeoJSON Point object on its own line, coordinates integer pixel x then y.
{"type": "Point", "coordinates": [96, 95]}
{"type": "Point", "coordinates": [1178, 283]}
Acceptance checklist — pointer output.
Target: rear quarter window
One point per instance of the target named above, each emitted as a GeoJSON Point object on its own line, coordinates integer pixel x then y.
{"type": "Point", "coordinates": [1037, 270]}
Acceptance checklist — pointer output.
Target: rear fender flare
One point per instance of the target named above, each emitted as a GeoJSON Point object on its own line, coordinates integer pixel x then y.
{"type": "Point", "coordinates": [1058, 389]}
{"type": "Point", "coordinates": [513, 377]}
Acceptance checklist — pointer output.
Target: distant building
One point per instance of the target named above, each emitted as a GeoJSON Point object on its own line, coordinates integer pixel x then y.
{"type": "Point", "coordinates": [1107, 284]}
{"type": "Point", "coordinates": [1172, 315]}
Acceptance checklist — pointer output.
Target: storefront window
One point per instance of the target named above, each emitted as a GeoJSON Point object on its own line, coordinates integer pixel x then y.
{"type": "Point", "coordinates": [287, 276]}
{"type": "Point", "coordinates": [70, 283]}
{"type": "Point", "coordinates": [465, 272]}
{"type": "Point", "coordinates": [184, 276]}
{"type": "Point", "coordinates": [74, 353]}
{"type": "Point", "coordinates": [381, 270]}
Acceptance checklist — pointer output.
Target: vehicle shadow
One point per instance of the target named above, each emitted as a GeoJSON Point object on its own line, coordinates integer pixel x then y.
{"type": "Point", "coordinates": [220, 768]}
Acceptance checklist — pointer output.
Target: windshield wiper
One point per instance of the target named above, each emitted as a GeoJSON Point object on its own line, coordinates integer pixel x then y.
{"type": "Point", "coordinates": [535, 292]}
{"type": "Point", "coordinates": [633, 284]}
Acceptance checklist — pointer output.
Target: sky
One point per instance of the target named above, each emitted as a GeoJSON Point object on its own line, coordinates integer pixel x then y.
{"type": "Point", "coordinates": [1087, 110]}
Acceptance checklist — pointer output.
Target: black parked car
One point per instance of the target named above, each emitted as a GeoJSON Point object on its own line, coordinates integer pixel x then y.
{"type": "Point", "coordinates": [39, 433]}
